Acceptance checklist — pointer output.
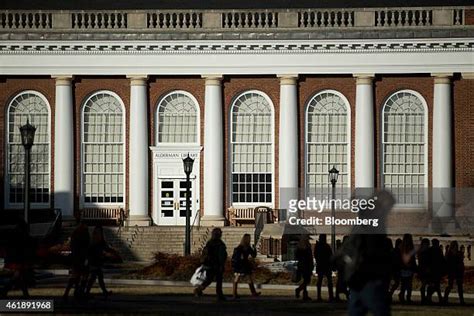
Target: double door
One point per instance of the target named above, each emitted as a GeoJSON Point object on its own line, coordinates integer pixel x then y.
{"type": "Point", "coordinates": [172, 201]}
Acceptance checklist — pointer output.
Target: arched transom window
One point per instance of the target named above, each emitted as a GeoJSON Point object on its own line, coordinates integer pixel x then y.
{"type": "Point", "coordinates": [252, 148]}
{"type": "Point", "coordinates": [32, 106]}
{"type": "Point", "coordinates": [327, 140]}
{"type": "Point", "coordinates": [177, 118]}
{"type": "Point", "coordinates": [404, 146]}
{"type": "Point", "coordinates": [103, 149]}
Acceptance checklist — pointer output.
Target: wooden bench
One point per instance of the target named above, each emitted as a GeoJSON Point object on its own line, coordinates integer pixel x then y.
{"type": "Point", "coordinates": [104, 214]}
{"type": "Point", "coordinates": [236, 215]}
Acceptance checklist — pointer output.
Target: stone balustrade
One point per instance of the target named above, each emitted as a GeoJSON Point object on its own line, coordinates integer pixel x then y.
{"type": "Point", "coordinates": [222, 20]}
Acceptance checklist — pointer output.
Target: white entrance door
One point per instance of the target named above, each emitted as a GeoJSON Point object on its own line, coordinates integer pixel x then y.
{"type": "Point", "coordinates": [172, 201]}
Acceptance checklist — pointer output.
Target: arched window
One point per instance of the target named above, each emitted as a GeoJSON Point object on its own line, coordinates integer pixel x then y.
{"type": "Point", "coordinates": [103, 134]}
{"type": "Point", "coordinates": [252, 148]}
{"type": "Point", "coordinates": [404, 140]}
{"type": "Point", "coordinates": [327, 140]}
{"type": "Point", "coordinates": [32, 106]}
{"type": "Point", "coordinates": [177, 118]}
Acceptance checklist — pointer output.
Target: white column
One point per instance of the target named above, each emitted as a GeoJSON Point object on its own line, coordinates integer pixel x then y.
{"type": "Point", "coordinates": [288, 140]}
{"type": "Point", "coordinates": [138, 157]}
{"type": "Point", "coordinates": [213, 153]}
{"type": "Point", "coordinates": [442, 145]}
{"type": "Point", "coordinates": [64, 147]}
{"type": "Point", "coordinates": [364, 132]}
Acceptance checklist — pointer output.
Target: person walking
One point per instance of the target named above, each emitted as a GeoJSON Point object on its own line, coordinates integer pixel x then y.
{"type": "Point", "coordinates": [98, 250]}
{"type": "Point", "coordinates": [341, 284]}
{"type": "Point", "coordinates": [19, 258]}
{"type": "Point", "coordinates": [213, 258]}
{"type": "Point", "coordinates": [424, 267]}
{"type": "Point", "coordinates": [408, 269]}
{"type": "Point", "coordinates": [79, 244]}
{"type": "Point", "coordinates": [305, 265]}
{"type": "Point", "coordinates": [455, 267]}
{"type": "Point", "coordinates": [396, 260]}
{"type": "Point", "coordinates": [243, 266]}
{"type": "Point", "coordinates": [323, 254]}
{"type": "Point", "coordinates": [438, 264]}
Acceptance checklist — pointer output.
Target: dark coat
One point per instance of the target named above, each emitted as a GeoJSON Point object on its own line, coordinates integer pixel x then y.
{"type": "Point", "coordinates": [241, 259]}
{"type": "Point", "coordinates": [304, 256]}
{"type": "Point", "coordinates": [214, 255]}
{"type": "Point", "coordinates": [323, 254]}
{"type": "Point", "coordinates": [455, 265]}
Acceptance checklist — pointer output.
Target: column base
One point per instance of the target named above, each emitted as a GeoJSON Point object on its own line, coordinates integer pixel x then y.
{"type": "Point", "coordinates": [213, 220]}
{"type": "Point", "coordinates": [138, 220]}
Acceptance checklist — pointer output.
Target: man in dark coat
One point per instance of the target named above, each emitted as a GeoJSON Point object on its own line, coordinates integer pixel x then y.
{"type": "Point", "coordinates": [214, 256]}
{"type": "Point", "coordinates": [323, 254]}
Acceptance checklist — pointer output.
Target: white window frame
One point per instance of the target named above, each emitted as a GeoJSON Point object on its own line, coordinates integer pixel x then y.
{"type": "Point", "coordinates": [349, 139]}
{"type": "Point", "coordinates": [402, 206]}
{"type": "Point", "coordinates": [122, 204]}
{"type": "Point", "coordinates": [198, 119]}
{"type": "Point", "coordinates": [7, 203]}
{"type": "Point", "coordinates": [230, 150]}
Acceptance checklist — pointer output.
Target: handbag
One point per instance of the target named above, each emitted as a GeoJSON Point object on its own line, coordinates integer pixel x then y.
{"type": "Point", "coordinates": [199, 276]}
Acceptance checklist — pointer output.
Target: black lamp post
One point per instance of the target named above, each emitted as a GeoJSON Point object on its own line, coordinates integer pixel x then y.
{"type": "Point", "coordinates": [188, 168]}
{"type": "Point", "coordinates": [333, 174]}
{"type": "Point", "coordinates": [27, 132]}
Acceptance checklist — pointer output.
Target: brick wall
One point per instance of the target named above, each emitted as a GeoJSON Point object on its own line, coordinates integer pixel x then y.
{"type": "Point", "coordinates": [232, 87]}
{"type": "Point", "coordinates": [387, 85]}
{"type": "Point", "coordinates": [158, 88]}
{"type": "Point", "coordinates": [10, 88]}
{"type": "Point", "coordinates": [463, 95]}
{"type": "Point", "coordinates": [83, 88]}
{"type": "Point", "coordinates": [310, 86]}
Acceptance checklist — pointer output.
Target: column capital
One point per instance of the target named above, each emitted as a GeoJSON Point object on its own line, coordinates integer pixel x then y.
{"type": "Point", "coordinates": [364, 78]}
{"type": "Point", "coordinates": [467, 75]}
{"type": "Point", "coordinates": [288, 79]}
{"type": "Point", "coordinates": [442, 77]}
{"type": "Point", "coordinates": [63, 80]}
{"type": "Point", "coordinates": [213, 80]}
{"type": "Point", "coordinates": [138, 80]}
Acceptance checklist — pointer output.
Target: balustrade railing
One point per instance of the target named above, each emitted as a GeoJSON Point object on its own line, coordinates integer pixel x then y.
{"type": "Point", "coordinates": [231, 20]}
{"type": "Point", "coordinates": [325, 18]}
{"type": "Point", "coordinates": [403, 18]}
{"type": "Point", "coordinates": [249, 19]}
{"type": "Point", "coordinates": [99, 20]}
{"type": "Point", "coordinates": [174, 20]}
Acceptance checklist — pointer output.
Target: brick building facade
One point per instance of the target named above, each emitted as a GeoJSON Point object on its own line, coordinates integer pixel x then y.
{"type": "Point", "coordinates": [254, 96]}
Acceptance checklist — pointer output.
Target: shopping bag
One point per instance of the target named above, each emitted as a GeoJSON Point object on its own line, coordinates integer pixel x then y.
{"type": "Point", "coordinates": [199, 276]}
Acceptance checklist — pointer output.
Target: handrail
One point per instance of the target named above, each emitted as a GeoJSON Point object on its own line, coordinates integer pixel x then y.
{"type": "Point", "coordinates": [54, 223]}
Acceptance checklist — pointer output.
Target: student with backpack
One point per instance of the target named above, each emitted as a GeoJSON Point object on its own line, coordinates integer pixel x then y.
{"type": "Point", "coordinates": [243, 266]}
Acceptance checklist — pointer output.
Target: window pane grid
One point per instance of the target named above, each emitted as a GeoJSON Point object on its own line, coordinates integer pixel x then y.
{"type": "Point", "coordinates": [403, 144]}
{"type": "Point", "coordinates": [28, 106]}
{"type": "Point", "coordinates": [327, 142]}
{"type": "Point", "coordinates": [103, 145]}
{"type": "Point", "coordinates": [252, 149]}
{"type": "Point", "coordinates": [177, 119]}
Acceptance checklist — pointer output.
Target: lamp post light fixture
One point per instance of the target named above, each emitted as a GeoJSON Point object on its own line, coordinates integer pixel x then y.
{"type": "Point", "coordinates": [27, 132]}
{"type": "Point", "coordinates": [333, 174]}
{"type": "Point", "coordinates": [188, 169]}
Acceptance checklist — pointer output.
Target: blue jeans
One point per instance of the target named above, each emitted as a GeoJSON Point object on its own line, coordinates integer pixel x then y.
{"type": "Point", "coordinates": [372, 297]}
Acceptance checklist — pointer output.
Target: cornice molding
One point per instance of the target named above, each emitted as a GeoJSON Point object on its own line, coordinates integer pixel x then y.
{"type": "Point", "coordinates": [242, 47]}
